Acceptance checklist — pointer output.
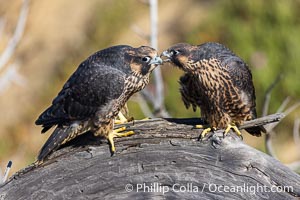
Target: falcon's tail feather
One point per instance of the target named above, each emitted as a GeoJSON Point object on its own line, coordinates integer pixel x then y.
{"type": "Point", "coordinates": [256, 131]}
{"type": "Point", "coordinates": [60, 136]}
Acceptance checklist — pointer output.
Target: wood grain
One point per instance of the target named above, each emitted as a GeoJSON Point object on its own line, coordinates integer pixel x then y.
{"type": "Point", "coordinates": [164, 159]}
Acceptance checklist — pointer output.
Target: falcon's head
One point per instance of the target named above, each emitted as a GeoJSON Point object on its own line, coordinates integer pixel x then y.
{"type": "Point", "coordinates": [142, 60]}
{"type": "Point", "coordinates": [178, 54]}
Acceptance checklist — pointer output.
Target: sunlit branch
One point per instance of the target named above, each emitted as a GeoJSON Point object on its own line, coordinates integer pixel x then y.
{"type": "Point", "coordinates": [13, 42]}
{"type": "Point", "coordinates": [296, 134]}
{"type": "Point", "coordinates": [267, 97]}
{"type": "Point", "coordinates": [268, 143]}
{"type": "Point", "coordinates": [155, 98]}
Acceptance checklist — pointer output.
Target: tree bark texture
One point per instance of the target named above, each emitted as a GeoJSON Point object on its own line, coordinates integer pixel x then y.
{"type": "Point", "coordinates": [163, 160]}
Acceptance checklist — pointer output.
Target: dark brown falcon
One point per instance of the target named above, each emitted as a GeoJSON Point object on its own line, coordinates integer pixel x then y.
{"type": "Point", "coordinates": [93, 96]}
{"type": "Point", "coordinates": [217, 81]}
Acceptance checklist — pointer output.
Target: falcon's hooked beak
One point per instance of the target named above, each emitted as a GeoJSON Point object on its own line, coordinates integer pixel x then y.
{"type": "Point", "coordinates": [167, 55]}
{"type": "Point", "coordinates": [156, 60]}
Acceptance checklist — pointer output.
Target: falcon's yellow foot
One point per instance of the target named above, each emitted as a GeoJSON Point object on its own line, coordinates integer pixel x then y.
{"type": "Point", "coordinates": [115, 133]}
{"type": "Point", "coordinates": [234, 127]}
{"type": "Point", "coordinates": [206, 130]}
{"type": "Point", "coordinates": [201, 126]}
{"type": "Point", "coordinates": [122, 119]}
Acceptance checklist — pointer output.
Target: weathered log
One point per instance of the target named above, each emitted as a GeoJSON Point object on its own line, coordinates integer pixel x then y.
{"type": "Point", "coordinates": [163, 160]}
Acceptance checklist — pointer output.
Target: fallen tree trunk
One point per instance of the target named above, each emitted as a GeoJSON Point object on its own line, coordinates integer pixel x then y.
{"type": "Point", "coordinates": [163, 160]}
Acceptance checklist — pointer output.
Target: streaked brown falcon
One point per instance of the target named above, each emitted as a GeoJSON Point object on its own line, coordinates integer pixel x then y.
{"type": "Point", "coordinates": [217, 81]}
{"type": "Point", "coordinates": [93, 96]}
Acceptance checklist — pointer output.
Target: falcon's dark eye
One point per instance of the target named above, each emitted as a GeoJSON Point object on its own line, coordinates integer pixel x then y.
{"type": "Point", "coordinates": [175, 52]}
{"type": "Point", "coordinates": [146, 59]}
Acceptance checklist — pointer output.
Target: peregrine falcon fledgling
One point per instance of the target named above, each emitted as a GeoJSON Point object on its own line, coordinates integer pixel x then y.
{"type": "Point", "coordinates": [95, 93]}
{"type": "Point", "coordinates": [217, 81]}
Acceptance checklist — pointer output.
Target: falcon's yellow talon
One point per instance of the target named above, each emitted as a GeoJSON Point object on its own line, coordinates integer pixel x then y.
{"type": "Point", "coordinates": [120, 129]}
{"type": "Point", "coordinates": [110, 139]}
{"type": "Point", "coordinates": [234, 127]}
{"type": "Point", "coordinates": [115, 133]}
{"type": "Point", "coordinates": [117, 121]}
{"type": "Point", "coordinates": [128, 133]}
{"type": "Point", "coordinates": [205, 132]}
{"type": "Point", "coordinates": [200, 126]}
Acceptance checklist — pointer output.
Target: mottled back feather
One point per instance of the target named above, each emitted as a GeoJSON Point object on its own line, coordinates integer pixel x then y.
{"type": "Point", "coordinates": [88, 88]}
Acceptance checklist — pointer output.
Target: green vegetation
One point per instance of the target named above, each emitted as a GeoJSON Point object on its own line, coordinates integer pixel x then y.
{"type": "Point", "coordinates": [265, 35]}
{"type": "Point", "coordinates": [263, 28]}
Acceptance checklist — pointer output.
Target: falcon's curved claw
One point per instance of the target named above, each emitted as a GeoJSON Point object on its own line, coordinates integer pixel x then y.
{"type": "Point", "coordinates": [234, 127]}
{"type": "Point", "coordinates": [116, 133]}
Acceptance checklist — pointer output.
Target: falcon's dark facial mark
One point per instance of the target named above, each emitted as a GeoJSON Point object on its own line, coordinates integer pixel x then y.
{"type": "Point", "coordinates": [143, 60]}
{"type": "Point", "coordinates": [178, 54]}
